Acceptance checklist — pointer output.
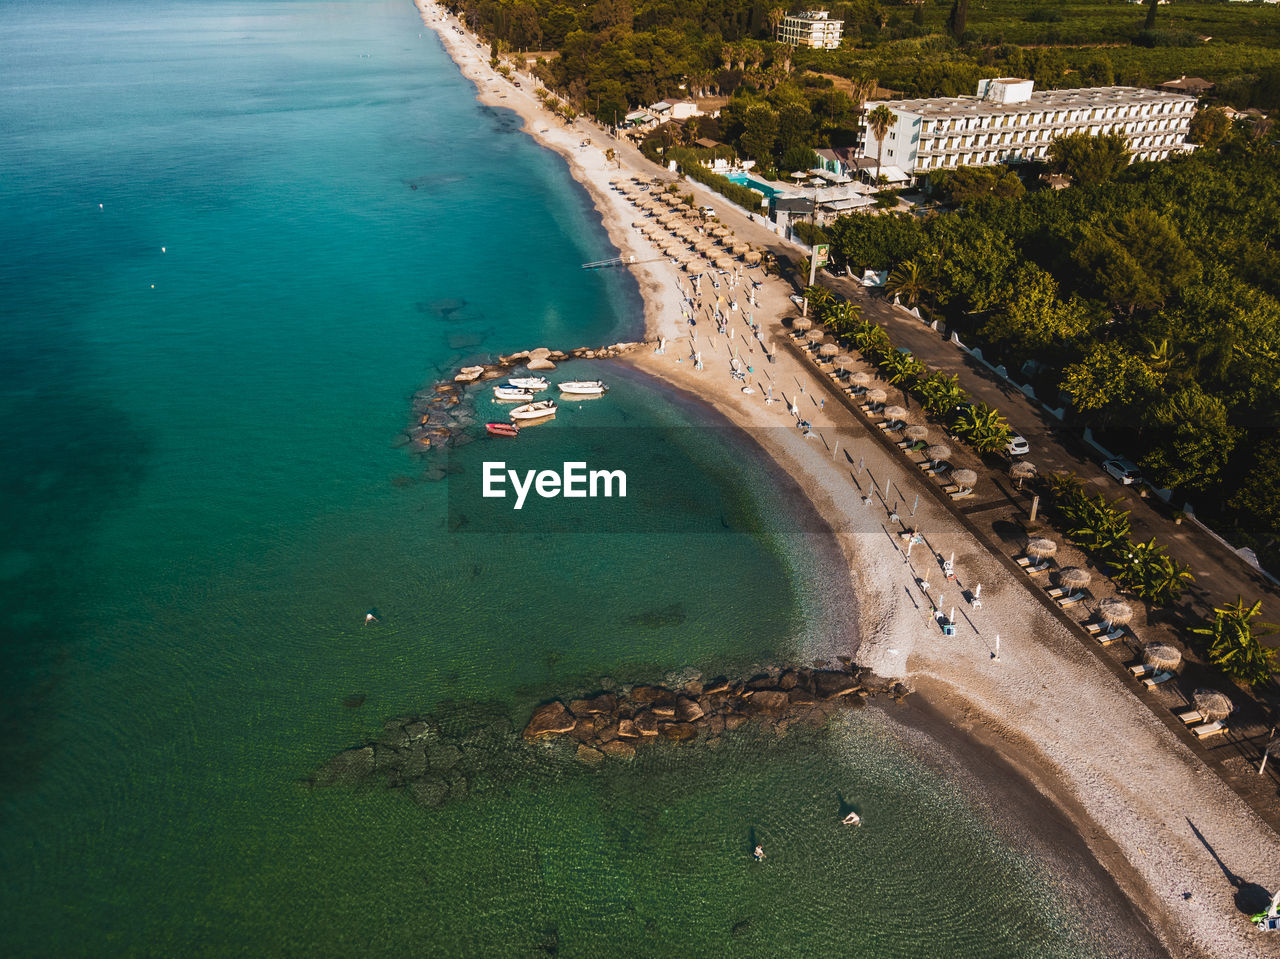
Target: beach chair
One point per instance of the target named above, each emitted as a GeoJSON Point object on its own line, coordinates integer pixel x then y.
{"type": "Point", "coordinates": [961, 494]}
{"type": "Point", "coordinates": [1191, 716]}
{"type": "Point", "coordinates": [1024, 561]}
{"type": "Point", "coordinates": [1209, 729]}
{"type": "Point", "coordinates": [1057, 592]}
{"type": "Point", "coordinates": [1036, 570]}
{"type": "Point", "coordinates": [1106, 639]}
{"type": "Point", "coordinates": [1142, 669]}
{"type": "Point", "coordinates": [1153, 681]}
{"type": "Point", "coordinates": [1066, 602]}
{"type": "Point", "coordinates": [931, 470]}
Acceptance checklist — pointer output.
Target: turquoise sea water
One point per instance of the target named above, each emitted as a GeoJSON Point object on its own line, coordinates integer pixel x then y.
{"type": "Point", "coordinates": [237, 237]}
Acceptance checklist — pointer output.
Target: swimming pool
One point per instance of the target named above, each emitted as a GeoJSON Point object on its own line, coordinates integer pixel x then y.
{"type": "Point", "coordinates": [743, 180]}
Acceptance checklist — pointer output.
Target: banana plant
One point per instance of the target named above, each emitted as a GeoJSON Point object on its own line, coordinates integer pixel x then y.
{"type": "Point", "coordinates": [1233, 642]}
{"type": "Point", "coordinates": [982, 427]}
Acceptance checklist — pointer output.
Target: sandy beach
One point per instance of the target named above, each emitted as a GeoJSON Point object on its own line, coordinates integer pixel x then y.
{"type": "Point", "coordinates": [1182, 846]}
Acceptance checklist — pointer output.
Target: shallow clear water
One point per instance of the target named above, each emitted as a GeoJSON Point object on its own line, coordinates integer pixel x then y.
{"type": "Point", "coordinates": [238, 236]}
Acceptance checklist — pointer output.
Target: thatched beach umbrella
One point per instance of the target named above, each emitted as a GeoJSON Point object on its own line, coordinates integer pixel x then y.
{"type": "Point", "coordinates": [1161, 656]}
{"type": "Point", "coordinates": [937, 452]}
{"type": "Point", "coordinates": [801, 323]}
{"type": "Point", "coordinates": [1212, 705]}
{"type": "Point", "coordinates": [722, 231]}
{"type": "Point", "coordinates": [828, 349]}
{"type": "Point", "coordinates": [724, 262]}
{"type": "Point", "coordinates": [861, 378]}
{"type": "Point", "coordinates": [693, 266]}
{"type": "Point", "coordinates": [703, 245]}
{"type": "Point", "coordinates": [844, 362]}
{"type": "Point", "coordinates": [752, 258]}
{"type": "Point", "coordinates": [1114, 613]}
{"type": "Point", "coordinates": [816, 336]}
{"type": "Point", "coordinates": [965, 479]}
{"type": "Point", "coordinates": [1040, 548]}
{"type": "Point", "coordinates": [1022, 470]}
{"type": "Point", "coordinates": [879, 396]}
{"type": "Point", "coordinates": [895, 412]}
{"type": "Point", "coordinates": [916, 433]}
{"type": "Point", "coordinates": [740, 249]}
{"type": "Point", "coordinates": [1073, 577]}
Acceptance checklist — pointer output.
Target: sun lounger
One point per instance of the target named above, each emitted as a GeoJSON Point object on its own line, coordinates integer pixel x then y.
{"type": "Point", "coordinates": [1067, 601]}
{"type": "Point", "coordinates": [1106, 639]}
{"type": "Point", "coordinates": [1057, 591]}
{"type": "Point", "coordinates": [1024, 561]}
{"type": "Point", "coordinates": [1036, 570]}
{"type": "Point", "coordinates": [961, 494]}
{"type": "Point", "coordinates": [1141, 670]}
{"type": "Point", "coordinates": [1209, 729]}
{"type": "Point", "coordinates": [1191, 716]}
{"type": "Point", "coordinates": [935, 470]}
{"type": "Point", "coordinates": [1152, 681]}
{"type": "Point", "coordinates": [1093, 628]}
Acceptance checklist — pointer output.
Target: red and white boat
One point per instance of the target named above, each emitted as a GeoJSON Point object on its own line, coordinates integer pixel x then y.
{"type": "Point", "coordinates": [502, 429]}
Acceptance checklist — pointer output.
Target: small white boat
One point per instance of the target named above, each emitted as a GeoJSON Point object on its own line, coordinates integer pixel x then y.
{"type": "Point", "coordinates": [853, 819]}
{"type": "Point", "coordinates": [512, 393]}
{"type": "Point", "coordinates": [534, 411]}
{"type": "Point", "coordinates": [583, 387]}
{"type": "Point", "coordinates": [531, 383]}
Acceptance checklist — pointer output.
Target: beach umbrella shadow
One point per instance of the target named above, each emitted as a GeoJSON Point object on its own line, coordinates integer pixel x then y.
{"type": "Point", "coordinates": [1250, 898]}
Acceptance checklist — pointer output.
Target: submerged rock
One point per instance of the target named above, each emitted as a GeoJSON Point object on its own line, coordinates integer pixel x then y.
{"type": "Point", "coordinates": [428, 791]}
{"type": "Point", "coordinates": [348, 768]}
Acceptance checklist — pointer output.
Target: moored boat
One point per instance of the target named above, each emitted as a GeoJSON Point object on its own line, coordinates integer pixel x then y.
{"type": "Point", "coordinates": [582, 387]}
{"type": "Point", "coordinates": [502, 429]}
{"type": "Point", "coordinates": [532, 383]}
{"type": "Point", "coordinates": [534, 411]}
{"type": "Point", "coordinates": [512, 393]}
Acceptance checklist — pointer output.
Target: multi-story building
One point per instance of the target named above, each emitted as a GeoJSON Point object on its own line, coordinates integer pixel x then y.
{"type": "Point", "coordinates": [1008, 122]}
{"type": "Point", "coordinates": [810, 29]}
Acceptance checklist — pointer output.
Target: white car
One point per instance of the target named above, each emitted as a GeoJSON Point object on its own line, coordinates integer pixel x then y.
{"type": "Point", "coordinates": [1121, 469]}
{"type": "Point", "coordinates": [1017, 445]}
{"type": "Point", "coordinates": [708, 212]}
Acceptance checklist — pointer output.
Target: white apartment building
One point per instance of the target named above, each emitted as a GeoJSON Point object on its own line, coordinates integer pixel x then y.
{"type": "Point", "coordinates": [811, 29]}
{"type": "Point", "coordinates": [1009, 122]}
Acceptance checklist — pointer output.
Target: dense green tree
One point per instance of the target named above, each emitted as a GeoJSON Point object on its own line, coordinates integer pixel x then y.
{"type": "Point", "coordinates": [760, 133]}
{"type": "Point", "coordinates": [968, 184]}
{"type": "Point", "coordinates": [976, 265]}
{"type": "Point", "coordinates": [1191, 436]}
{"type": "Point", "coordinates": [868, 242]}
{"type": "Point", "coordinates": [1136, 259]}
{"type": "Point", "coordinates": [958, 19]}
{"type": "Point", "coordinates": [1089, 160]}
{"type": "Point", "coordinates": [1032, 322]}
{"type": "Point", "coordinates": [1109, 377]}
{"type": "Point", "coordinates": [1209, 127]}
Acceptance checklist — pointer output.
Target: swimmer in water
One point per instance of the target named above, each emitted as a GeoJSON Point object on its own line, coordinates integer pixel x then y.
{"type": "Point", "coordinates": [759, 853]}
{"type": "Point", "coordinates": [370, 618]}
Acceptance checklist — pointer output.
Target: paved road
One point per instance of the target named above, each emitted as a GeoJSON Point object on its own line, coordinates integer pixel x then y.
{"type": "Point", "coordinates": [1221, 574]}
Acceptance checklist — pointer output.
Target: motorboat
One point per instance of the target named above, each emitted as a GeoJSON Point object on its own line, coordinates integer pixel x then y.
{"type": "Point", "coordinates": [582, 387]}
{"type": "Point", "coordinates": [512, 393]}
{"type": "Point", "coordinates": [533, 384]}
{"type": "Point", "coordinates": [502, 429]}
{"type": "Point", "coordinates": [534, 411]}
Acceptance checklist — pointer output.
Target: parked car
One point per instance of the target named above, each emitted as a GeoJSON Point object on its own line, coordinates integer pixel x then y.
{"type": "Point", "coordinates": [1017, 445]}
{"type": "Point", "coordinates": [1122, 470]}
{"type": "Point", "coordinates": [708, 212]}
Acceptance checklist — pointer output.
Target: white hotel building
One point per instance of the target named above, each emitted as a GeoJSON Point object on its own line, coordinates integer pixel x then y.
{"type": "Point", "coordinates": [810, 29]}
{"type": "Point", "coordinates": [1008, 122]}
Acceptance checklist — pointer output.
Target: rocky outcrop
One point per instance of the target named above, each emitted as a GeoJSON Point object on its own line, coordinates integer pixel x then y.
{"type": "Point", "coordinates": [615, 725]}
{"type": "Point", "coordinates": [550, 720]}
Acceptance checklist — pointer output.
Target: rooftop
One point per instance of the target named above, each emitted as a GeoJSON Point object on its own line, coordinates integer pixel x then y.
{"type": "Point", "coordinates": [1040, 100]}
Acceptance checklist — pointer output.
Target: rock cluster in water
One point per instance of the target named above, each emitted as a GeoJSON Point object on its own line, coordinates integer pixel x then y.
{"type": "Point", "coordinates": [465, 749]}
{"type": "Point", "coordinates": [612, 724]}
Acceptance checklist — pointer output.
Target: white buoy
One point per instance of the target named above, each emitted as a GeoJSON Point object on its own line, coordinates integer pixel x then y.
{"type": "Point", "coordinates": [99, 206]}
{"type": "Point", "coordinates": [162, 249]}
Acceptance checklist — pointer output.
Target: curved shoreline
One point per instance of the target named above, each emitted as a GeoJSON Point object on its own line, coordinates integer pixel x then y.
{"type": "Point", "coordinates": [1123, 782]}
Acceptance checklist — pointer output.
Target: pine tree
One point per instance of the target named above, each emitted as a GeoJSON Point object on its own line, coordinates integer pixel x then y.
{"type": "Point", "coordinates": [959, 17]}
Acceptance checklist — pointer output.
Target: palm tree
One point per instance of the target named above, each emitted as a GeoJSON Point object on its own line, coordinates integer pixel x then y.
{"type": "Point", "coordinates": [843, 317]}
{"type": "Point", "coordinates": [910, 283]}
{"type": "Point", "coordinates": [879, 121]}
{"type": "Point", "coordinates": [1234, 645]}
